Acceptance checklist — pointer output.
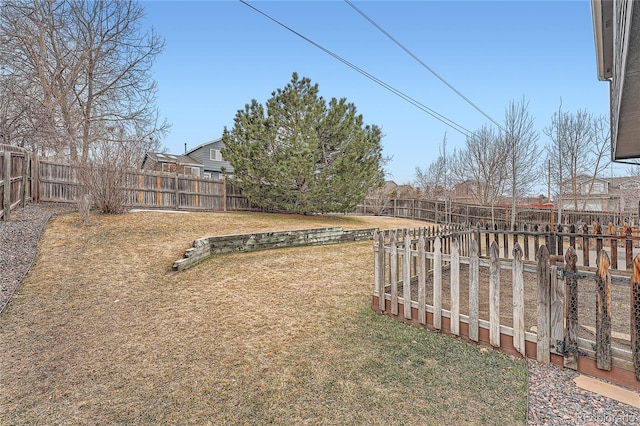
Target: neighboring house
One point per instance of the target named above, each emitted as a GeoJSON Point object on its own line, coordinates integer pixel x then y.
{"type": "Point", "coordinates": [472, 192]}
{"type": "Point", "coordinates": [617, 194]}
{"type": "Point", "coordinates": [590, 194]}
{"type": "Point", "coordinates": [392, 189]}
{"type": "Point", "coordinates": [616, 29]}
{"type": "Point", "coordinates": [209, 155]}
{"type": "Point", "coordinates": [203, 161]}
{"type": "Point", "coordinates": [171, 163]}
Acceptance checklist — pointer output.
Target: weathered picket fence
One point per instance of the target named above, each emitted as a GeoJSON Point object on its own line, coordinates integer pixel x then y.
{"type": "Point", "coordinates": [521, 307]}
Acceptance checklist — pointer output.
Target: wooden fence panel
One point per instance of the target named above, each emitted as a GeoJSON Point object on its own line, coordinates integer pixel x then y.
{"type": "Point", "coordinates": [571, 310]}
{"type": "Point", "coordinates": [543, 311]}
{"type": "Point", "coordinates": [393, 271]}
{"type": "Point", "coordinates": [558, 334]}
{"type": "Point", "coordinates": [437, 284]}
{"type": "Point", "coordinates": [406, 276]}
{"type": "Point", "coordinates": [474, 291]}
{"type": "Point", "coordinates": [518, 299]}
{"type": "Point", "coordinates": [422, 285]}
{"type": "Point", "coordinates": [556, 311]}
{"type": "Point", "coordinates": [57, 182]}
{"type": "Point", "coordinates": [494, 297]}
{"type": "Point", "coordinates": [455, 287]}
{"type": "Point", "coordinates": [381, 272]}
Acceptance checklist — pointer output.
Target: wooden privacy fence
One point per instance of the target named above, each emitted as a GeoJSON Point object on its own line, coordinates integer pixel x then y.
{"type": "Point", "coordinates": [15, 177]}
{"type": "Point", "coordinates": [465, 214]}
{"type": "Point", "coordinates": [543, 309]}
{"type": "Point", "coordinates": [146, 189]}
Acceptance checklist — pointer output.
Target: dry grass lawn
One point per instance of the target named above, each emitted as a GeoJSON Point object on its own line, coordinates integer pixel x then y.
{"type": "Point", "coordinates": [103, 332]}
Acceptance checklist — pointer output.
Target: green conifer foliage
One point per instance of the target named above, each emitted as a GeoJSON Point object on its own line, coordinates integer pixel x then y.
{"type": "Point", "coordinates": [301, 154]}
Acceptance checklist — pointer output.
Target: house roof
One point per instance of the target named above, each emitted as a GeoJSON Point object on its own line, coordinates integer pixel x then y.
{"type": "Point", "coordinates": [173, 158]}
{"type": "Point", "coordinates": [202, 145]}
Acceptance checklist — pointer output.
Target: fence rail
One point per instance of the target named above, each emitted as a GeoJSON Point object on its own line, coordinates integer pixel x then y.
{"type": "Point", "coordinates": [550, 309]}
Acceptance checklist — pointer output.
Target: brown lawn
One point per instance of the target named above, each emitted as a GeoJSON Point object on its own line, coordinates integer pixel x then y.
{"type": "Point", "coordinates": [103, 332]}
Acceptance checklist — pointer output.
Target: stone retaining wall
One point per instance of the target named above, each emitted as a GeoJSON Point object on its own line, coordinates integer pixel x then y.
{"type": "Point", "coordinates": [209, 246]}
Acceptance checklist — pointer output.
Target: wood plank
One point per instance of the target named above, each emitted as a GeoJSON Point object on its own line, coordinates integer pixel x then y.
{"type": "Point", "coordinates": [422, 285]}
{"type": "Point", "coordinates": [603, 312]}
{"type": "Point", "coordinates": [557, 312]}
{"type": "Point", "coordinates": [635, 316]}
{"type": "Point", "coordinates": [585, 245]}
{"type": "Point", "coordinates": [494, 296]}
{"type": "Point", "coordinates": [437, 284]}
{"type": "Point", "coordinates": [518, 299]}
{"type": "Point", "coordinates": [7, 186]}
{"type": "Point", "coordinates": [543, 353]}
{"type": "Point", "coordinates": [406, 276]}
{"type": "Point", "coordinates": [393, 268]}
{"type": "Point", "coordinates": [455, 287]}
{"type": "Point", "coordinates": [571, 310]}
{"type": "Point", "coordinates": [381, 272]}
{"type": "Point", "coordinates": [474, 290]}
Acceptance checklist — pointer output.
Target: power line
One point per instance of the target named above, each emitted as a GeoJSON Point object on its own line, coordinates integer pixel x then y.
{"type": "Point", "coordinates": [419, 105]}
{"type": "Point", "coordinates": [422, 63]}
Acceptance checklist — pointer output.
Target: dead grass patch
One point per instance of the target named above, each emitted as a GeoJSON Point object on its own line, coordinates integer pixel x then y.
{"type": "Point", "coordinates": [103, 332]}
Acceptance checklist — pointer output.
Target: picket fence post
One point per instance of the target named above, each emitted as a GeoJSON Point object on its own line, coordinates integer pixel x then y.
{"type": "Point", "coordinates": [422, 293]}
{"type": "Point", "coordinates": [455, 287]}
{"type": "Point", "coordinates": [603, 312]}
{"type": "Point", "coordinates": [571, 309]}
{"type": "Point", "coordinates": [437, 284]}
{"type": "Point", "coordinates": [494, 296]}
{"type": "Point", "coordinates": [381, 272]}
{"type": "Point", "coordinates": [543, 354]}
{"type": "Point", "coordinates": [393, 273]}
{"type": "Point", "coordinates": [518, 299]}
{"type": "Point", "coordinates": [406, 277]}
{"type": "Point", "coordinates": [474, 290]}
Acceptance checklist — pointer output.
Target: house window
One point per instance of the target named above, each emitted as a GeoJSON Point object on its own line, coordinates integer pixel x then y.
{"type": "Point", "coordinates": [206, 175]}
{"type": "Point", "coordinates": [215, 155]}
{"type": "Point", "coordinates": [193, 171]}
{"type": "Point", "coordinates": [598, 188]}
{"type": "Point", "coordinates": [168, 167]}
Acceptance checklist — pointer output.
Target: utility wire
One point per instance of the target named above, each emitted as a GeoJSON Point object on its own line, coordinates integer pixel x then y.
{"type": "Point", "coordinates": [434, 114]}
{"type": "Point", "coordinates": [422, 63]}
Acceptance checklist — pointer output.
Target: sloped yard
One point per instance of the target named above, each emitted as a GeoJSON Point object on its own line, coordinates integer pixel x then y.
{"type": "Point", "coordinates": [103, 332]}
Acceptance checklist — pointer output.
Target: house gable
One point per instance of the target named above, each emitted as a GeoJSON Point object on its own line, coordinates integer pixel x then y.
{"type": "Point", "coordinates": [209, 155]}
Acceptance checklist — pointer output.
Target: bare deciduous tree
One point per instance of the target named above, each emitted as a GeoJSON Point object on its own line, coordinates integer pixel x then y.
{"type": "Point", "coordinates": [482, 163]}
{"type": "Point", "coordinates": [86, 66]}
{"type": "Point", "coordinates": [578, 147]}
{"type": "Point", "coordinates": [521, 151]}
{"type": "Point", "coordinates": [436, 181]}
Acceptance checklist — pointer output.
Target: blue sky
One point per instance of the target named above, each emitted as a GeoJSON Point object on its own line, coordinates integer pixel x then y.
{"type": "Point", "coordinates": [221, 54]}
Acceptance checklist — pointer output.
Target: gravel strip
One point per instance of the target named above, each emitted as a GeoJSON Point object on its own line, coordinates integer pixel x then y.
{"type": "Point", "coordinates": [553, 397]}
{"type": "Point", "coordinates": [18, 243]}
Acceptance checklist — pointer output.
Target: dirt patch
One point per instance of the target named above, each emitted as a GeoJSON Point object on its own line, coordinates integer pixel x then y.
{"type": "Point", "coordinates": [620, 318]}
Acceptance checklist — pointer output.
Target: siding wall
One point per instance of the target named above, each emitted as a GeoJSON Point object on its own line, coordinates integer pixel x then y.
{"type": "Point", "coordinates": [202, 155]}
